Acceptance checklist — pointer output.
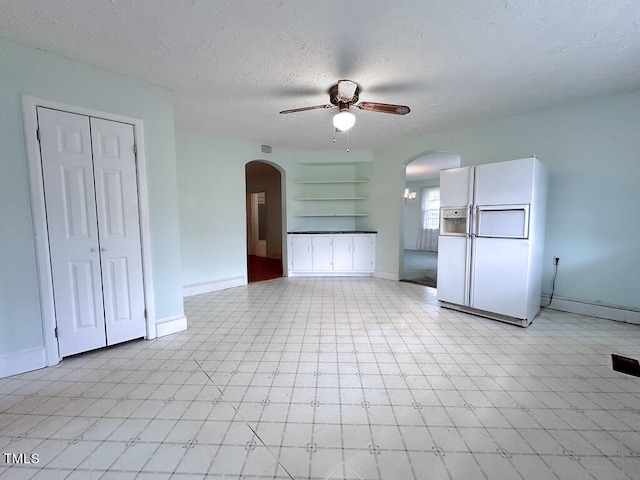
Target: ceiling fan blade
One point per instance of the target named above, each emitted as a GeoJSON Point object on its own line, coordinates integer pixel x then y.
{"type": "Point", "coordinates": [346, 90]}
{"type": "Point", "coordinates": [315, 107]}
{"type": "Point", "coordinates": [384, 108]}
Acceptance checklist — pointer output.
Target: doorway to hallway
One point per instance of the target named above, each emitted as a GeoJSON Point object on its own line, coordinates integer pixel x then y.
{"type": "Point", "coordinates": [264, 221]}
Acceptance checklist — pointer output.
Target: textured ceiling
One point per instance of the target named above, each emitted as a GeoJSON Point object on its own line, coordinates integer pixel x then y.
{"type": "Point", "coordinates": [233, 65]}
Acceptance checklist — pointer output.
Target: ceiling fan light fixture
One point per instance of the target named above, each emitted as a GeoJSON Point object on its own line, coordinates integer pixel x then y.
{"type": "Point", "coordinates": [344, 119]}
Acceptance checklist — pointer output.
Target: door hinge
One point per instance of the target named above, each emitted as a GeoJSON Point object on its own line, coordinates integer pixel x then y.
{"type": "Point", "coordinates": [145, 313]}
{"type": "Point", "coordinates": [55, 332]}
{"type": "Point", "coordinates": [38, 134]}
{"type": "Point", "coordinates": [135, 149]}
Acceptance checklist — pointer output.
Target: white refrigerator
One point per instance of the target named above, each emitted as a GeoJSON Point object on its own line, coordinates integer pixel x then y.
{"type": "Point", "coordinates": [491, 241]}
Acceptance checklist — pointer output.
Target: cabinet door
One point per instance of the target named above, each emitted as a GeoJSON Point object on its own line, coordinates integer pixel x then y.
{"type": "Point", "coordinates": [342, 253]}
{"type": "Point", "coordinates": [321, 251]}
{"type": "Point", "coordinates": [363, 253]}
{"type": "Point", "coordinates": [301, 253]}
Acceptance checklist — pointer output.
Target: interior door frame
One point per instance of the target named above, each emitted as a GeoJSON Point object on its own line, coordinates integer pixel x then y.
{"type": "Point", "coordinates": [45, 276]}
{"type": "Point", "coordinates": [253, 225]}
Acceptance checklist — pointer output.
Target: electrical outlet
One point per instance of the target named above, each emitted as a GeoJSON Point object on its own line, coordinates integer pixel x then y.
{"type": "Point", "coordinates": [556, 260]}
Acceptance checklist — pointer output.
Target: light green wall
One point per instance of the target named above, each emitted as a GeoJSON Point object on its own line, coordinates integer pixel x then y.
{"type": "Point", "coordinates": [592, 150]}
{"type": "Point", "coordinates": [211, 185]}
{"type": "Point", "coordinates": [32, 72]}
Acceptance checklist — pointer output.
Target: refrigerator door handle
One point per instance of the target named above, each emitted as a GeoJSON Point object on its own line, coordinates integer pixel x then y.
{"type": "Point", "coordinates": [468, 277]}
{"type": "Point", "coordinates": [474, 222]}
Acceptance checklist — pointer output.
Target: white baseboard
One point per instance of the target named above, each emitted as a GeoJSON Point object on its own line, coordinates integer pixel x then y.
{"type": "Point", "coordinates": [329, 274]}
{"type": "Point", "coordinates": [21, 362]}
{"type": "Point", "coordinates": [167, 326]}
{"type": "Point", "coordinates": [610, 312]}
{"type": "Point", "coordinates": [214, 286]}
{"type": "Point", "coordinates": [387, 275]}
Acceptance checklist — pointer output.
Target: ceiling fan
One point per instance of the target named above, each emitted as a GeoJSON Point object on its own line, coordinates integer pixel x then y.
{"type": "Point", "coordinates": [345, 94]}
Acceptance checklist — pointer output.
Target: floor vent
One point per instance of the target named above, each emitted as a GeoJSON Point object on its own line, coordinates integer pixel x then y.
{"type": "Point", "coordinates": [626, 365]}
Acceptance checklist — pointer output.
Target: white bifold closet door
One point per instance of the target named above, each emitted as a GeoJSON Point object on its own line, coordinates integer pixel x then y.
{"type": "Point", "coordinates": [91, 198]}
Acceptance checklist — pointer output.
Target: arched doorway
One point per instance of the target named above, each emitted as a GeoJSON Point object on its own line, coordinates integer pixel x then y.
{"type": "Point", "coordinates": [419, 225]}
{"type": "Point", "coordinates": [265, 214]}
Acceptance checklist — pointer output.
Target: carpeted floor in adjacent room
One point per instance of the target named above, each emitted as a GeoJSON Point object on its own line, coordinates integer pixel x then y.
{"type": "Point", "coordinates": [420, 267]}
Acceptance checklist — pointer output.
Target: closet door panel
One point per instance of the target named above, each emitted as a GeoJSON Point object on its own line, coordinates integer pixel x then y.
{"type": "Point", "coordinates": [119, 228]}
{"type": "Point", "coordinates": [67, 169]}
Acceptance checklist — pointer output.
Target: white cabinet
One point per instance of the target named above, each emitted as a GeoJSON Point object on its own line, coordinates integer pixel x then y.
{"type": "Point", "coordinates": [335, 254]}
{"type": "Point", "coordinates": [321, 253]}
{"type": "Point", "coordinates": [342, 253]}
{"type": "Point", "coordinates": [310, 253]}
{"type": "Point", "coordinates": [353, 253]}
{"type": "Point", "coordinates": [300, 253]}
{"type": "Point", "coordinates": [363, 253]}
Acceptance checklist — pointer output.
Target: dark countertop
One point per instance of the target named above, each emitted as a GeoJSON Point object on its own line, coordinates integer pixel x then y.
{"type": "Point", "coordinates": [330, 232]}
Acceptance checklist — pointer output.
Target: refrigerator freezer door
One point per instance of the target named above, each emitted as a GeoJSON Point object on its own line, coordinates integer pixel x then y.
{"type": "Point", "coordinates": [453, 269]}
{"type": "Point", "coordinates": [505, 183]}
{"type": "Point", "coordinates": [503, 221]}
{"type": "Point", "coordinates": [499, 280]}
{"type": "Point", "coordinates": [456, 187]}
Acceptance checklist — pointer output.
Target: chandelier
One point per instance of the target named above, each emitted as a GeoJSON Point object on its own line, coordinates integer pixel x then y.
{"type": "Point", "coordinates": [409, 196]}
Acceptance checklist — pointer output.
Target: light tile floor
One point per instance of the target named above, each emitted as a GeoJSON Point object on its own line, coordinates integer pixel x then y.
{"type": "Point", "coordinates": [334, 378]}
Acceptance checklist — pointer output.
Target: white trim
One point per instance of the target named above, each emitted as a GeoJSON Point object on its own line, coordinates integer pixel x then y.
{"type": "Point", "coordinates": [386, 275]}
{"type": "Point", "coordinates": [170, 325]}
{"type": "Point", "coordinates": [40, 230]}
{"type": "Point", "coordinates": [145, 229]}
{"type": "Point", "coordinates": [214, 286]}
{"type": "Point", "coordinates": [30, 120]}
{"type": "Point", "coordinates": [24, 361]}
{"type": "Point", "coordinates": [329, 274]}
{"type": "Point", "coordinates": [609, 312]}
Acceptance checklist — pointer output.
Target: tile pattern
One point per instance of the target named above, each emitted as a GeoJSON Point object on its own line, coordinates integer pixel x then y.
{"type": "Point", "coordinates": [334, 378]}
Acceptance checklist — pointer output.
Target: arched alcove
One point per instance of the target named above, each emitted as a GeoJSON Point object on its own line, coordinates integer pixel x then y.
{"type": "Point", "coordinates": [266, 216]}
{"type": "Point", "coordinates": [419, 222]}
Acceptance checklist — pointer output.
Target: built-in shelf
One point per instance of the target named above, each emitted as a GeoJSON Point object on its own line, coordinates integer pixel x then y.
{"type": "Point", "coordinates": [332, 194]}
{"type": "Point", "coordinates": [333, 215]}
